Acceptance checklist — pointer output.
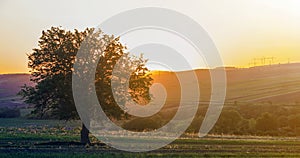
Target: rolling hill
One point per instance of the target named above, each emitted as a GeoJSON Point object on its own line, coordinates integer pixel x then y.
{"type": "Point", "coordinates": [275, 83]}
{"type": "Point", "coordinates": [272, 83]}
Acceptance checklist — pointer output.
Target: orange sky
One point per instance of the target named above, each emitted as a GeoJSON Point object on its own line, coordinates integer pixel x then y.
{"type": "Point", "coordinates": [241, 30]}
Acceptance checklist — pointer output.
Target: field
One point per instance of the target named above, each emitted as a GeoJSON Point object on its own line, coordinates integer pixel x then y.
{"type": "Point", "coordinates": [249, 85]}
{"type": "Point", "coordinates": [250, 94]}
{"type": "Point", "coordinates": [51, 138]}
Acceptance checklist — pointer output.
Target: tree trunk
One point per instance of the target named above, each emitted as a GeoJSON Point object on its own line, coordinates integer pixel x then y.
{"type": "Point", "coordinates": [84, 135]}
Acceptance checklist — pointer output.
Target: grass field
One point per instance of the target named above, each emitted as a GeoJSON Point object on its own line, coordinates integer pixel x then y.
{"type": "Point", "coordinates": [44, 138]}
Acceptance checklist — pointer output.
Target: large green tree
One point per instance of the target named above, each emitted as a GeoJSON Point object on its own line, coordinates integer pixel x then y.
{"type": "Point", "coordinates": [51, 67]}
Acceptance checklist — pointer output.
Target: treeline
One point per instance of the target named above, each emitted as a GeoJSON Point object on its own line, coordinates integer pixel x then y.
{"type": "Point", "coordinates": [256, 119]}
{"type": "Point", "coordinates": [264, 119]}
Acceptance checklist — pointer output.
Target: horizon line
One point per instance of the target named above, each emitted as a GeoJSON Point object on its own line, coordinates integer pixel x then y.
{"type": "Point", "coordinates": [199, 68]}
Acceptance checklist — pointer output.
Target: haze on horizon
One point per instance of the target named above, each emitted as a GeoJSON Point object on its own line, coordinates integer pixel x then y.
{"type": "Point", "coordinates": [241, 30]}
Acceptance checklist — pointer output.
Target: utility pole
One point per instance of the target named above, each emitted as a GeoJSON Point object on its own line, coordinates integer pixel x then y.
{"type": "Point", "coordinates": [271, 60]}
{"type": "Point", "coordinates": [263, 60]}
{"type": "Point", "coordinates": [254, 61]}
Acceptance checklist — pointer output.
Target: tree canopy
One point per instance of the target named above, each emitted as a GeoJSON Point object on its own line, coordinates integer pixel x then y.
{"type": "Point", "coordinates": [51, 68]}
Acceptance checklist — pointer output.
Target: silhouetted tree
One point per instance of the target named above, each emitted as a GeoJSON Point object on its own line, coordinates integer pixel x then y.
{"type": "Point", "coordinates": [51, 67]}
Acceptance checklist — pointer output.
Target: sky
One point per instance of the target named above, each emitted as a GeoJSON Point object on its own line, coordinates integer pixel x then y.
{"type": "Point", "coordinates": [241, 29]}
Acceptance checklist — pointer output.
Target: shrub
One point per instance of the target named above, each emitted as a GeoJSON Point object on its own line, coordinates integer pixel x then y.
{"type": "Point", "coordinates": [267, 122]}
{"type": "Point", "coordinates": [143, 124]}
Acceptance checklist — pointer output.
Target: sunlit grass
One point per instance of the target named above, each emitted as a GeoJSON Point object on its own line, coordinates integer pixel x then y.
{"type": "Point", "coordinates": [51, 138]}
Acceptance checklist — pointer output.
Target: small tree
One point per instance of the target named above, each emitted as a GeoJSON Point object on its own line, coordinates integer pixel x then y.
{"type": "Point", "coordinates": [51, 67]}
{"type": "Point", "coordinates": [267, 122]}
{"type": "Point", "coordinates": [230, 122]}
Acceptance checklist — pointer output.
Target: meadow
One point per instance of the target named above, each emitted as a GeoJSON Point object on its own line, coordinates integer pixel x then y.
{"type": "Point", "coordinates": [52, 138]}
{"type": "Point", "coordinates": [259, 119]}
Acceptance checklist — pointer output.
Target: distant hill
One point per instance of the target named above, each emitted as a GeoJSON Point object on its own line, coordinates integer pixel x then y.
{"type": "Point", "coordinates": [273, 84]}
{"type": "Point", "coordinates": [10, 85]}
{"type": "Point", "coordinates": [276, 83]}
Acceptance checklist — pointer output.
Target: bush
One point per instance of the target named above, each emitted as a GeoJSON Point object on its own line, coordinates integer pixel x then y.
{"type": "Point", "coordinates": [267, 123]}
{"type": "Point", "coordinates": [294, 121]}
{"type": "Point", "coordinates": [143, 124]}
{"type": "Point", "coordinates": [230, 122]}
{"type": "Point", "coordinates": [195, 125]}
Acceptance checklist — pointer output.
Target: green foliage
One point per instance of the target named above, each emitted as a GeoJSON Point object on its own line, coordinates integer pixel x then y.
{"type": "Point", "coordinates": [230, 122]}
{"type": "Point", "coordinates": [267, 122]}
{"type": "Point", "coordinates": [51, 67]}
{"type": "Point", "coordinates": [195, 125]}
{"type": "Point", "coordinates": [282, 121]}
{"type": "Point", "coordinates": [144, 124]}
{"type": "Point", "coordinates": [259, 119]}
{"type": "Point", "coordinates": [294, 121]}
{"type": "Point", "coordinates": [54, 138]}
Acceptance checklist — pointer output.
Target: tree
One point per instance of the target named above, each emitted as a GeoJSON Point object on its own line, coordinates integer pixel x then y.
{"type": "Point", "coordinates": [294, 121]}
{"type": "Point", "coordinates": [267, 122]}
{"type": "Point", "coordinates": [51, 67]}
{"type": "Point", "coordinates": [230, 122]}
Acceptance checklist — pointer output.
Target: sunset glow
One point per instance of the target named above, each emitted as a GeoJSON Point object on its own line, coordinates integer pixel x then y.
{"type": "Point", "coordinates": [243, 31]}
